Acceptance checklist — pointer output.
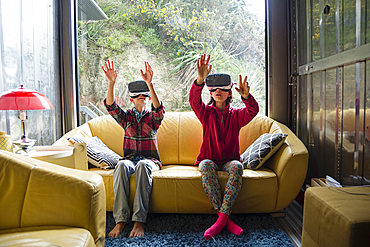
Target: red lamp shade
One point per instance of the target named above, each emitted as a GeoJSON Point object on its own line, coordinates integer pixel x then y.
{"type": "Point", "coordinates": [24, 99]}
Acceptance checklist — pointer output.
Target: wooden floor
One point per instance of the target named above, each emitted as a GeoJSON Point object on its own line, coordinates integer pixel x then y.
{"type": "Point", "coordinates": [291, 224]}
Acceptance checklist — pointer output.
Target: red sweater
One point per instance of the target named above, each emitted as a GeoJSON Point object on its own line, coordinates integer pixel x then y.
{"type": "Point", "coordinates": [220, 129]}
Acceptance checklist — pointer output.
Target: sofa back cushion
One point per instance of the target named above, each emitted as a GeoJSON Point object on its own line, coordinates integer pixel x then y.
{"type": "Point", "coordinates": [258, 126]}
{"type": "Point", "coordinates": [168, 138]}
{"type": "Point", "coordinates": [191, 138]}
{"type": "Point", "coordinates": [179, 138]}
{"type": "Point", "coordinates": [109, 132]}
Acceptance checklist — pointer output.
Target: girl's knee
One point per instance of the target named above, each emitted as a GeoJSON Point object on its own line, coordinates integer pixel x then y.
{"type": "Point", "coordinates": [237, 166]}
{"type": "Point", "coordinates": [205, 164]}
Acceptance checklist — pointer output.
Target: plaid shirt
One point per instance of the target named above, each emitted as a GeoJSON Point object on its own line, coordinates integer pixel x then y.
{"type": "Point", "coordinates": [140, 136]}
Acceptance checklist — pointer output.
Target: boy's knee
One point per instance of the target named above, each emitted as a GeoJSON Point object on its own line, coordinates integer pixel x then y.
{"type": "Point", "coordinates": [122, 166]}
{"type": "Point", "coordinates": [119, 166]}
{"type": "Point", "coordinates": [141, 165]}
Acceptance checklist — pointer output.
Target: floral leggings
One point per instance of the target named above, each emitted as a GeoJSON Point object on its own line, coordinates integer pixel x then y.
{"type": "Point", "coordinates": [212, 187]}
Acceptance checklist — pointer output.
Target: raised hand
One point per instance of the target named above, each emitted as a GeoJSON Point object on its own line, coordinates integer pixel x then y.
{"type": "Point", "coordinates": [203, 68]}
{"type": "Point", "coordinates": [110, 72]}
{"type": "Point", "coordinates": [243, 88]}
{"type": "Point", "coordinates": [148, 75]}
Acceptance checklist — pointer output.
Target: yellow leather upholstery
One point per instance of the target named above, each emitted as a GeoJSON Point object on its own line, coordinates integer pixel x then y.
{"type": "Point", "coordinates": [56, 237]}
{"type": "Point", "coordinates": [177, 188]}
{"type": "Point", "coordinates": [168, 139]}
{"type": "Point", "coordinates": [336, 217]}
{"type": "Point", "coordinates": [47, 204]}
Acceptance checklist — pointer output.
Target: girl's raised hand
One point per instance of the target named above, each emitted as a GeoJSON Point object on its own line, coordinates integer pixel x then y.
{"type": "Point", "coordinates": [203, 67]}
{"type": "Point", "coordinates": [243, 88]}
{"type": "Point", "coordinates": [110, 72]}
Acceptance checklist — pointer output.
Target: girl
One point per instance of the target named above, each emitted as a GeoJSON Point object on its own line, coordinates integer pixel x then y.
{"type": "Point", "coordinates": [220, 148]}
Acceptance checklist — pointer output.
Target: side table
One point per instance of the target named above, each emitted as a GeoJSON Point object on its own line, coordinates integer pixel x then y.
{"type": "Point", "coordinates": [72, 157]}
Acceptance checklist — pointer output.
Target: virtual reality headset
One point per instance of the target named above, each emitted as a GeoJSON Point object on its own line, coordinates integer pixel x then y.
{"type": "Point", "coordinates": [221, 81]}
{"type": "Point", "coordinates": [136, 88]}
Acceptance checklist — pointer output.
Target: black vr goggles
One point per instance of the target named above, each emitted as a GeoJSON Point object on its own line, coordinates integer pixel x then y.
{"type": "Point", "coordinates": [221, 81]}
{"type": "Point", "coordinates": [136, 88]}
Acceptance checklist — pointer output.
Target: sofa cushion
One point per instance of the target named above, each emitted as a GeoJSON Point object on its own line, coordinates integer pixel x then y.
{"type": "Point", "coordinates": [178, 189]}
{"type": "Point", "coordinates": [47, 237]}
{"type": "Point", "coordinates": [262, 149]}
{"type": "Point", "coordinates": [98, 153]}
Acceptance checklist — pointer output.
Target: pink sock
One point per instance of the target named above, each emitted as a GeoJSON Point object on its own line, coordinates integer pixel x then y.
{"type": "Point", "coordinates": [217, 227]}
{"type": "Point", "coordinates": [233, 228]}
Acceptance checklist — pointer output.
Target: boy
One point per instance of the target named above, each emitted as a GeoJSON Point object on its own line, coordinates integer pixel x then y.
{"type": "Point", "coordinates": [139, 147]}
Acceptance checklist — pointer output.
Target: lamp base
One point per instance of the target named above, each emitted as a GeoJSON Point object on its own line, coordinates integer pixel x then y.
{"type": "Point", "coordinates": [24, 147]}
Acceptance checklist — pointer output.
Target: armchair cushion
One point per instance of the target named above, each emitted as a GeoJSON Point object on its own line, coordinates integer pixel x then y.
{"type": "Point", "coordinates": [262, 149]}
{"type": "Point", "coordinates": [98, 154]}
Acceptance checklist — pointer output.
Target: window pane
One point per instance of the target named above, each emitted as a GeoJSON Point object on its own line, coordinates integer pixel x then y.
{"type": "Point", "coordinates": [349, 25]}
{"type": "Point", "coordinates": [316, 32]}
{"type": "Point", "coordinates": [28, 58]}
{"type": "Point", "coordinates": [171, 36]}
{"type": "Point", "coordinates": [330, 28]}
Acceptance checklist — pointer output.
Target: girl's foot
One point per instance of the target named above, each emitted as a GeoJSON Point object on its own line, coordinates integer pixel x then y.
{"type": "Point", "coordinates": [233, 228]}
{"type": "Point", "coordinates": [217, 227]}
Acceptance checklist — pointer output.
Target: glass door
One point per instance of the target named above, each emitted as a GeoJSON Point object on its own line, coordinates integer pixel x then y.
{"type": "Point", "coordinates": [332, 87]}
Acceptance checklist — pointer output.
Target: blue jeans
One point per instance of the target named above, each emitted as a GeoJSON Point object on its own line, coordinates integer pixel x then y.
{"type": "Point", "coordinates": [121, 186]}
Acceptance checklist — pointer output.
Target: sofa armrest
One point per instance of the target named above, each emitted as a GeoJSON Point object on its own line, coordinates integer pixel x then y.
{"type": "Point", "coordinates": [290, 165]}
{"type": "Point", "coordinates": [34, 193]}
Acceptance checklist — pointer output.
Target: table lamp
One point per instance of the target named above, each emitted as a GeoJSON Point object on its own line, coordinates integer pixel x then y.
{"type": "Point", "coordinates": [22, 100]}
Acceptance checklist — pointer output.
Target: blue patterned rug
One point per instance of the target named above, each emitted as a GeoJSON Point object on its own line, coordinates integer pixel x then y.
{"type": "Point", "coordinates": [188, 229]}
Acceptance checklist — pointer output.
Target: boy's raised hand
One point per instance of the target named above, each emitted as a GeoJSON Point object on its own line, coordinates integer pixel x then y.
{"type": "Point", "coordinates": [203, 68]}
{"type": "Point", "coordinates": [110, 72]}
{"type": "Point", "coordinates": [243, 88]}
{"type": "Point", "coordinates": [148, 75]}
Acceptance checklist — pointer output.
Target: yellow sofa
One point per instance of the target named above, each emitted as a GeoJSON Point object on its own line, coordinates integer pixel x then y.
{"type": "Point", "coordinates": [177, 188]}
{"type": "Point", "coordinates": [43, 204]}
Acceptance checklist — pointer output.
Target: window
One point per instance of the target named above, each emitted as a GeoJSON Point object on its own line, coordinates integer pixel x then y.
{"type": "Point", "coordinates": [27, 57]}
{"type": "Point", "coordinates": [171, 36]}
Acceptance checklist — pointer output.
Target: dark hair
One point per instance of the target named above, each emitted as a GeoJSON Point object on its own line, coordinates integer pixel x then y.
{"type": "Point", "coordinates": [229, 100]}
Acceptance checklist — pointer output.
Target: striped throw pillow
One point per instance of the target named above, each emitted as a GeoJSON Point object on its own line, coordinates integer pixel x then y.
{"type": "Point", "coordinates": [98, 154]}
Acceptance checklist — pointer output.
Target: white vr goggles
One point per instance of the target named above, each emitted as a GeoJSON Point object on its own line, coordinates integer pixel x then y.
{"type": "Point", "coordinates": [221, 81]}
{"type": "Point", "coordinates": [136, 88]}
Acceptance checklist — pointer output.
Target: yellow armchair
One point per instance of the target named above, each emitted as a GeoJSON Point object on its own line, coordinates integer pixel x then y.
{"type": "Point", "coordinates": [49, 205]}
